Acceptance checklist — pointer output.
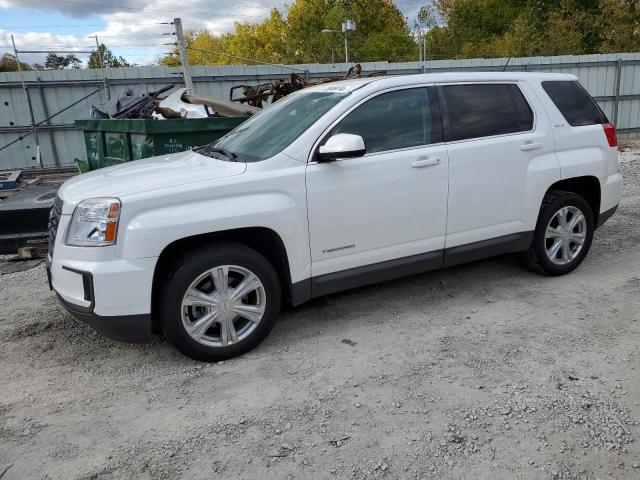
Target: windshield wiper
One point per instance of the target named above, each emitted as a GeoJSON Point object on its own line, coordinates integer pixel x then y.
{"type": "Point", "coordinates": [208, 149]}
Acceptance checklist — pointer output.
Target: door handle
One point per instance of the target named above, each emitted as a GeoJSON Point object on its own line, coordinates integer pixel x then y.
{"type": "Point", "coordinates": [528, 146]}
{"type": "Point", "coordinates": [425, 162]}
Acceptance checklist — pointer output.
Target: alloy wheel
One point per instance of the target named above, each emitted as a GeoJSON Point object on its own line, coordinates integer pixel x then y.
{"type": "Point", "coordinates": [565, 235]}
{"type": "Point", "coordinates": [223, 306]}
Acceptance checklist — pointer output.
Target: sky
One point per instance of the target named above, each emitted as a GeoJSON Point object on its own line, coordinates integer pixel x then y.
{"type": "Point", "coordinates": [138, 30]}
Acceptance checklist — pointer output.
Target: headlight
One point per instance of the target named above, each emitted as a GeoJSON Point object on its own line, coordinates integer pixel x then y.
{"type": "Point", "coordinates": [94, 223]}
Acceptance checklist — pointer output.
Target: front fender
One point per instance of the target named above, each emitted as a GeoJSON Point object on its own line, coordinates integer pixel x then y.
{"type": "Point", "coordinates": [148, 226]}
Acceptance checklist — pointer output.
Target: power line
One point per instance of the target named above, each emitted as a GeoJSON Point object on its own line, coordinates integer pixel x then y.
{"type": "Point", "coordinates": [81, 37]}
{"type": "Point", "coordinates": [143, 9]}
{"type": "Point", "coordinates": [208, 4]}
{"type": "Point", "coordinates": [211, 52]}
{"type": "Point", "coordinates": [86, 25]}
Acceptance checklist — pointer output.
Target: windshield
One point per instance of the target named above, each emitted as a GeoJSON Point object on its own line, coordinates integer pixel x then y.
{"type": "Point", "coordinates": [273, 129]}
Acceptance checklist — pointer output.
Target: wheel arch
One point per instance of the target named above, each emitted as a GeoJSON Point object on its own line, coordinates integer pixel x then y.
{"type": "Point", "coordinates": [587, 186]}
{"type": "Point", "coordinates": [264, 240]}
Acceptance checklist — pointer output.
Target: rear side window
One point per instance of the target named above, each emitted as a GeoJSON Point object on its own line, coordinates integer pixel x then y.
{"type": "Point", "coordinates": [484, 110]}
{"type": "Point", "coordinates": [523, 110]}
{"type": "Point", "coordinates": [394, 120]}
{"type": "Point", "coordinates": [575, 104]}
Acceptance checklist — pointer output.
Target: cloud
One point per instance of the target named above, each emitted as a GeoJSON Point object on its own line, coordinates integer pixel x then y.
{"type": "Point", "coordinates": [89, 8]}
{"type": "Point", "coordinates": [132, 26]}
{"type": "Point", "coordinates": [141, 8]}
{"type": "Point", "coordinates": [135, 28]}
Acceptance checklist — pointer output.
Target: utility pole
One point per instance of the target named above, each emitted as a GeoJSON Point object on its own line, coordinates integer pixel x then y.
{"type": "Point", "coordinates": [346, 32]}
{"type": "Point", "coordinates": [424, 47]}
{"type": "Point", "coordinates": [184, 60]}
{"type": "Point", "coordinates": [30, 105]}
{"type": "Point", "coordinates": [104, 79]}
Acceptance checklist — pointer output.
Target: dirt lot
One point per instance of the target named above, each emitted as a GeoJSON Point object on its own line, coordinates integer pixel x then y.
{"type": "Point", "coordinates": [484, 371]}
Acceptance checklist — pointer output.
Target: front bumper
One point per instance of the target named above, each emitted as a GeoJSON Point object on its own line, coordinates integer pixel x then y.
{"type": "Point", "coordinates": [126, 328]}
{"type": "Point", "coordinates": [111, 294]}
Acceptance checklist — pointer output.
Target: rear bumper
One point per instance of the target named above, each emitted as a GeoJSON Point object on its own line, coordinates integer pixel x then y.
{"type": "Point", "coordinates": [611, 193]}
{"type": "Point", "coordinates": [126, 328]}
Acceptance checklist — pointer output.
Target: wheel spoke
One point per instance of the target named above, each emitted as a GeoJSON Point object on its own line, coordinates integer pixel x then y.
{"type": "Point", "coordinates": [577, 218]}
{"type": "Point", "coordinates": [553, 251]}
{"type": "Point", "coordinates": [228, 332]}
{"type": "Point", "coordinates": [577, 238]}
{"type": "Point", "coordinates": [566, 252]}
{"type": "Point", "coordinates": [553, 232]}
{"type": "Point", "coordinates": [221, 279]}
{"type": "Point", "coordinates": [253, 313]}
{"type": "Point", "coordinates": [201, 325]}
{"type": "Point", "coordinates": [196, 298]}
{"type": "Point", "coordinates": [248, 285]}
{"type": "Point", "coordinates": [562, 218]}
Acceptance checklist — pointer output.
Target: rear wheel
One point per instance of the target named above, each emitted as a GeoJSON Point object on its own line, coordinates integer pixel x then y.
{"type": "Point", "coordinates": [563, 234]}
{"type": "Point", "coordinates": [219, 301]}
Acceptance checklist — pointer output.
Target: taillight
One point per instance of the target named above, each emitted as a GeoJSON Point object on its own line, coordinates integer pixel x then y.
{"type": "Point", "coordinates": [610, 132]}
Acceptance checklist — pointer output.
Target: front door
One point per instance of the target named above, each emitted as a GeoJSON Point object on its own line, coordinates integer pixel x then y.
{"type": "Point", "coordinates": [392, 202]}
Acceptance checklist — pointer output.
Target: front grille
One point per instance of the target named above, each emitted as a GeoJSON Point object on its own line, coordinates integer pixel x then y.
{"type": "Point", "coordinates": [54, 219]}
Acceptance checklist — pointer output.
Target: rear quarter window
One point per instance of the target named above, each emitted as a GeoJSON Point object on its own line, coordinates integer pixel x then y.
{"type": "Point", "coordinates": [576, 105]}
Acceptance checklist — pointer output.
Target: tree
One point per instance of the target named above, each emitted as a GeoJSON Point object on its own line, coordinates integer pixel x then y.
{"type": "Point", "coordinates": [8, 64]}
{"type": "Point", "coordinates": [109, 60]}
{"type": "Point", "coordinates": [490, 28]}
{"type": "Point", "coordinates": [382, 34]}
{"type": "Point", "coordinates": [427, 17]}
{"type": "Point", "coordinates": [58, 62]}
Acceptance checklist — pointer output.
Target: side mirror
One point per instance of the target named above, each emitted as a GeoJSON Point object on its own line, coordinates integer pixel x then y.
{"type": "Point", "coordinates": [342, 145]}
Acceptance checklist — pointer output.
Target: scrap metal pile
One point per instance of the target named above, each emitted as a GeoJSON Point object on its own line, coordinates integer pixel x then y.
{"type": "Point", "coordinates": [183, 104]}
{"type": "Point", "coordinates": [259, 95]}
{"type": "Point", "coordinates": [177, 104]}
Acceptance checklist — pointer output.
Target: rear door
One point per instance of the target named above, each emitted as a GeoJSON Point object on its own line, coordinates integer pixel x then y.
{"type": "Point", "coordinates": [493, 138]}
{"type": "Point", "coordinates": [390, 203]}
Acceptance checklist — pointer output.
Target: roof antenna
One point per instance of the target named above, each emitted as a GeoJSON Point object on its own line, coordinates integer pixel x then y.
{"type": "Point", "coordinates": [504, 69]}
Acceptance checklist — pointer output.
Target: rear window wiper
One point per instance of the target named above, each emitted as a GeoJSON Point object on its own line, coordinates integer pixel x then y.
{"type": "Point", "coordinates": [207, 150]}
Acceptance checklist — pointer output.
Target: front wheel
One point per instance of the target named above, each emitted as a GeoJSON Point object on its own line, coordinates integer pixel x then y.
{"type": "Point", "coordinates": [563, 234]}
{"type": "Point", "coordinates": [219, 301]}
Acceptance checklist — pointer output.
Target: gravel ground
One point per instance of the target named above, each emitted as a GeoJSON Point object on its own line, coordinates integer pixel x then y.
{"type": "Point", "coordinates": [483, 371]}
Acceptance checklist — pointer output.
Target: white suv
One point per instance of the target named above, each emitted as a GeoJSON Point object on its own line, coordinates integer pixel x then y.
{"type": "Point", "coordinates": [334, 187]}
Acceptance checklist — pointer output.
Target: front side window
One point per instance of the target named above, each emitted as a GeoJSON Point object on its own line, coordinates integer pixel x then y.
{"type": "Point", "coordinates": [575, 104]}
{"type": "Point", "coordinates": [392, 121]}
{"type": "Point", "coordinates": [273, 129]}
{"type": "Point", "coordinates": [484, 110]}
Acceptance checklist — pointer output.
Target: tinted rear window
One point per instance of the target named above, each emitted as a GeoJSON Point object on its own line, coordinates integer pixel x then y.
{"type": "Point", "coordinates": [575, 104]}
{"type": "Point", "coordinates": [483, 110]}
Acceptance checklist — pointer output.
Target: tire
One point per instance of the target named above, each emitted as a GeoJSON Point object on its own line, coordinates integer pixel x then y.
{"type": "Point", "coordinates": [212, 301]}
{"type": "Point", "coordinates": [540, 256]}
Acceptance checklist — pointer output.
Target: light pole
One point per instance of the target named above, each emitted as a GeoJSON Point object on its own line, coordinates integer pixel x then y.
{"type": "Point", "coordinates": [333, 50]}
{"type": "Point", "coordinates": [346, 26]}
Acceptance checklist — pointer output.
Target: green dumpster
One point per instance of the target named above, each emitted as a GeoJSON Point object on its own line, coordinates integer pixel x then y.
{"type": "Point", "coordinates": [113, 141]}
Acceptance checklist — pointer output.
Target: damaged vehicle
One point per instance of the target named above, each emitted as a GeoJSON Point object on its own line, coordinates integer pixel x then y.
{"type": "Point", "coordinates": [333, 187]}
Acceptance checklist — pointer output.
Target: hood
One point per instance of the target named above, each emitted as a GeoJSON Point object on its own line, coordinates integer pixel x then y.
{"type": "Point", "coordinates": [145, 175]}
